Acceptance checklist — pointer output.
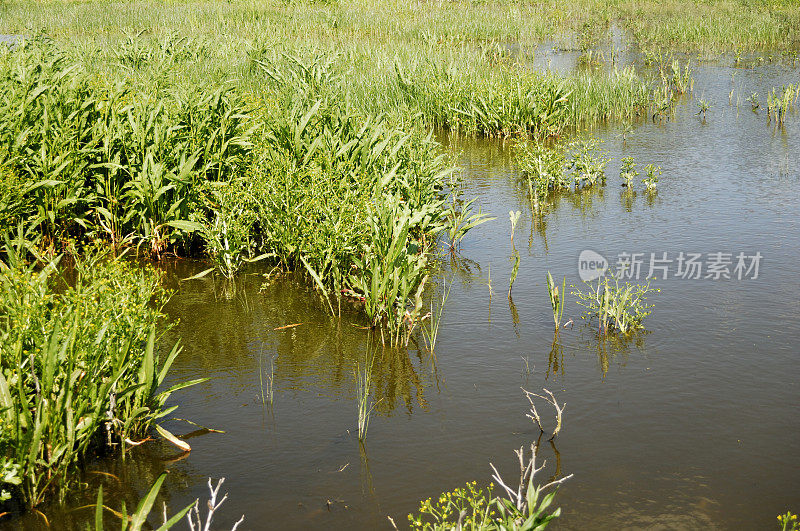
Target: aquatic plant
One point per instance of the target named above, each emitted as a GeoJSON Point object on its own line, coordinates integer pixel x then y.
{"type": "Point", "coordinates": [79, 367]}
{"type": "Point", "coordinates": [703, 106]}
{"type": "Point", "coordinates": [556, 298]}
{"type": "Point", "coordinates": [513, 217]}
{"type": "Point", "coordinates": [543, 169]}
{"type": "Point", "coordinates": [461, 218]}
{"type": "Point", "coordinates": [267, 376]}
{"type": "Point", "coordinates": [431, 331]}
{"type": "Point", "coordinates": [588, 163]}
{"type": "Point", "coordinates": [779, 103]}
{"type": "Point", "coordinates": [525, 507]}
{"type": "Point", "coordinates": [754, 100]}
{"type": "Point", "coordinates": [363, 391]}
{"type": "Point", "coordinates": [653, 173]}
{"type": "Point", "coordinates": [514, 270]}
{"type": "Point", "coordinates": [628, 171]}
{"type": "Point", "coordinates": [618, 307]}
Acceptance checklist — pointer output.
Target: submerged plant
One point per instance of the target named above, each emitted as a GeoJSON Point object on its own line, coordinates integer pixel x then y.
{"type": "Point", "coordinates": [556, 298]}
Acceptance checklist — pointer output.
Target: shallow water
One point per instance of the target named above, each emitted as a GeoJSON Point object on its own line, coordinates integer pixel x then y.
{"type": "Point", "coordinates": [692, 424]}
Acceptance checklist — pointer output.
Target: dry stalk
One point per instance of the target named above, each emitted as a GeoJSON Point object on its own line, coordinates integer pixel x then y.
{"type": "Point", "coordinates": [195, 523]}
{"type": "Point", "coordinates": [551, 399]}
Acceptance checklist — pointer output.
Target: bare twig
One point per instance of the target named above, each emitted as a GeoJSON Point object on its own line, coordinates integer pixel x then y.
{"type": "Point", "coordinates": [551, 399]}
{"type": "Point", "coordinates": [193, 517]}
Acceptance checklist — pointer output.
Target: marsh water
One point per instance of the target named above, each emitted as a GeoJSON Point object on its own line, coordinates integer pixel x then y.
{"type": "Point", "coordinates": [695, 423]}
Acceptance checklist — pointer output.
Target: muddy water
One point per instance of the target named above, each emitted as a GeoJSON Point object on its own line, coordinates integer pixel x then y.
{"type": "Point", "coordinates": [693, 424]}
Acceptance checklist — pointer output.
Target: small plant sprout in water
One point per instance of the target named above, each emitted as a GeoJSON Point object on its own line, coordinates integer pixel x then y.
{"type": "Point", "coordinates": [653, 173]}
{"type": "Point", "coordinates": [461, 217]}
{"type": "Point", "coordinates": [556, 298]}
{"type": "Point", "coordinates": [431, 332]}
{"type": "Point", "coordinates": [754, 100]}
{"type": "Point", "coordinates": [703, 106]}
{"type": "Point", "coordinates": [779, 103]}
{"type": "Point", "coordinates": [363, 389]}
{"type": "Point", "coordinates": [628, 172]}
{"type": "Point", "coordinates": [514, 270]}
{"type": "Point", "coordinates": [626, 130]}
{"type": "Point", "coordinates": [514, 218]}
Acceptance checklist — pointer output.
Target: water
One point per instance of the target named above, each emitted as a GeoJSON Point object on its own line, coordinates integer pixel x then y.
{"type": "Point", "coordinates": [693, 424]}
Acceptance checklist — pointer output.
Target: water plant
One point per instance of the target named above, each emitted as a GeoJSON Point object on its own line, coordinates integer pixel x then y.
{"type": "Point", "coordinates": [628, 171]}
{"type": "Point", "coordinates": [363, 391]}
{"type": "Point", "coordinates": [653, 173]}
{"type": "Point", "coordinates": [703, 106]}
{"type": "Point", "coordinates": [788, 521]}
{"type": "Point", "coordinates": [556, 298]}
{"type": "Point", "coordinates": [754, 100]}
{"type": "Point", "coordinates": [80, 368]}
{"type": "Point", "coordinates": [513, 217]}
{"type": "Point", "coordinates": [525, 507]}
{"type": "Point", "coordinates": [431, 332]}
{"type": "Point", "coordinates": [588, 163]}
{"type": "Point", "coordinates": [543, 169]}
{"type": "Point", "coordinates": [266, 380]}
{"type": "Point", "coordinates": [461, 218]}
{"type": "Point", "coordinates": [514, 270]}
{"type": "Point", "coordinates": [779, 103]}
{"type": "Point", "coordinates": [619, 308]}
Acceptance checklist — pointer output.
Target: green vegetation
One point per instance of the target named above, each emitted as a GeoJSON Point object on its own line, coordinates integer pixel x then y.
{"type": "Point", "coordinates": [556, 298]}
{"type": "Point", "coordinates": [627, 172]}
{"type": "Point", "coordinates": [363, 391]}
{"type": "Point", "coordinates": [79, 367]}
{"type": "Point", "coordinates": [653, 173]}
{"type": "Point", "coordinates": [524, 508]}
{"type": "Point", "coordinates": [778, 104]}
{"type": "Point", "coordinates": [308, 184]}
{"type": "Point", "coordinates": [788, 521]}
{"type": "Point", "coordinates": [618, 307]}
